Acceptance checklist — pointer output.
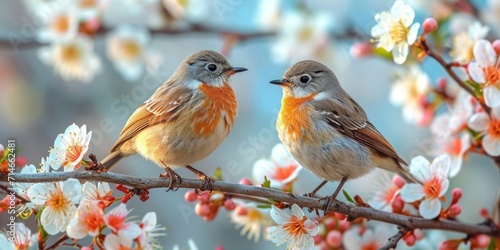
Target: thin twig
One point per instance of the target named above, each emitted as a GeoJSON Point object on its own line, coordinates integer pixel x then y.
{"type": "Point", "coordinates": [13, 41]}
{"type": "Point", "coordinates": [9, 191]}
{"type": "Point", "coordinates": [58, 242]}
{"type": "Point", "coordinates": [302, 201]}
{"type": "Point", "coordinates": [393, 241]}
{"type": "Point", "coordinates": [448, 67]}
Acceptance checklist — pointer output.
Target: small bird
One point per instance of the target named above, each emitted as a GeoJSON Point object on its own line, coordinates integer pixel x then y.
{"type": "Point", "coordinates": [185, 120]}
{"type": "Point", "coordinates": [327, 132]}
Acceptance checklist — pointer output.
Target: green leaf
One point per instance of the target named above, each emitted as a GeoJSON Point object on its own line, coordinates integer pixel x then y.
{"type": "Point", "coordinates": [41, 231]}
{"type": "Point", "coordinates": [383, 53]}
{"type": "Point", "coordinates": [264, 206]}
{"type": "Point", "coordinates": [348, 197]}
{"type": "Point", "coordinates": [218, 174]}
{"type": "Point", "coordinates": [266, 183]}
{"type": "Point", "coordinates": [5, 154]}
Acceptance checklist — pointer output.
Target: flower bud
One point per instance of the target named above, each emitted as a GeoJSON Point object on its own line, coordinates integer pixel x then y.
{"type": "Point", "coordinates": [397, 204]}
{"type": "Point", "coordinates": [410, 240]}
{"type": "Point", "coordinates": [239, 210]}
{"type": "Point", "coordinates": [496, 46]}
{"type": "Point", "coordinates": [456, 194]}
{"type": "Point", "coordinates": [430, 24]}
{"type": "Point", "coordinates": [442, 82]}
{"type": "Point", "coordinates": [245, 181]}
{"type": "Point", "coordinates": [450, 244]}
{"type": "Point", "coordinates": [340, 216]}
{"type": "Point", "coordinates": [360, 50]}
{"type": "Point", "coordinates": [455, 210]}
{"type": "Point", "coordinates": [202, 209]}
{"type": "Point", "coordinates": [205, 197]}
{"type": "Point", "coordinates": [480, 241]}
{"type": "Point", "coordinates": [190, 196]}
{"type": "Point", "coordinates": [344, 225]}
{"type": "Point", "coordinates": [334, 239]}
{"type": "Point", "coordinates": [317, 239]}
{"type": "Point", "coordinates": [398, 181]}
{"type": "Point", "coordinates": [229, 205]}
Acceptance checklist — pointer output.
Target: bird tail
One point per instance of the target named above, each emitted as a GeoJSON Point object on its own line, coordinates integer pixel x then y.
{"type": "Point", "coordinates": [109, 161]}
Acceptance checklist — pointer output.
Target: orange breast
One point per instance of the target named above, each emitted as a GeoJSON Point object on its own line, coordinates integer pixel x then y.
{"type": "Point", "coordinates": [294, 119]}
{"type": "Point", "coordinates": [219, 105]}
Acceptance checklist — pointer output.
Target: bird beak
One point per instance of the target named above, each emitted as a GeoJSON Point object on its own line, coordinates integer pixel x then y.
{"type": "Point", "coordinates": [281, 82]}
{"type": "Point", "coordinates": [234, 70]}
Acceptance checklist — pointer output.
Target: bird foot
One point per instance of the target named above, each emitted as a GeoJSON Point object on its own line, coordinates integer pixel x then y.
{"type": "Point", "coordinates": [208, 182]}
{"type": "Point", "coordinates": [328, 201]}
{"type": "Point", "coordinates": [174, 178]}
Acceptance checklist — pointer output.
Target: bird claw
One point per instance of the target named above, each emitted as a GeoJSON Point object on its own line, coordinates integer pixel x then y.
{"type": "Point", "coordinates": [328, 201]}
{"type": "Point", "coordinates": [174, 178]}
{"type": "Point", "coordinates": [208, 182]}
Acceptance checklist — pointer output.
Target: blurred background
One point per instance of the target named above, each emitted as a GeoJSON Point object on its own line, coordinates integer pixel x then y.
{"type": "Point", "coordinates": [41, 94]}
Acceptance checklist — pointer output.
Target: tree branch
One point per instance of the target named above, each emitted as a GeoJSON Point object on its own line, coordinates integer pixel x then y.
{"type": "Point", "coordinates": [393, 241]}
{"type": "Point", "coordinates": [302, 201]}
{"type": "Point", "coordinates": [23, 42]}
{"type": "Point", "coordinates": [448, 67]}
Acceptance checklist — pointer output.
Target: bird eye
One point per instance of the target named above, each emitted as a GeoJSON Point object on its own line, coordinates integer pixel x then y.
{"type": "Point", "coordinates": [304, 79]}
{"type": "Point", "coordinates": [212, 67]}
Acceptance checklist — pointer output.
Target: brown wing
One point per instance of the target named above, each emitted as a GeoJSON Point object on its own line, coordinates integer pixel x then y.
{"type": "Point", "coordinates": [349, 118]}
{"type": "Point", "coordinates": [164, 105]}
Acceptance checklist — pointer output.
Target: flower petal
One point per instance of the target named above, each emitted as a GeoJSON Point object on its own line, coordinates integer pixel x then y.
{"type": "Point", "coordinates": [492, 96]}
{"type": "Point", "coordinates": [149, 221]}
{"type": "Point", "coordinates": [311, 227]}
{"type": "Point", "coordinates": [491, 145]}
{"type": "Point", "coordinates": [412, 192]}
{"type": "Point", "coordinates": [400, 52]}
{"type": "Point", "coordinates": [419, 168]}
{"type": "Point", "coordinates": [38, 194]}
{"type": "Point", "coordinates": [277, 235]}
{"type": "Point", "coordinates": [297, 211]}
{"type": "Point", "coordinates": [72, 190]}
{"type": "Point", "coordinates": [280, 216]}
{"type": "Point", "coordinates": [484, 53]}
{"type": "Point", "coordinates": [479, 122]}
{"type": "Point", "coordinates": [413, 33]}
{"type": "Point", "coordinates": [430, 209]}
{"type": "Point", "coordinates": [476, 72]}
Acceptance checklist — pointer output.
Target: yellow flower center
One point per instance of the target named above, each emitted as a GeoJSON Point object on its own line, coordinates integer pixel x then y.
{"type": "Point", "coordinates": [72, 154]}
{"type": "Point", "coordinates": [183, 3]}
{"type": "Point", "coordinates": [61, 24]}
{"type": "Point", "coordinates": [370, 246]}
{"type": "Point", "coordinates": [57, 201]}
{"type": "Point", "coordinates": [494, 128]}
{"type": "Point", "coordinates": [88, 3]}
{"type": "Point", "coordinates": [305, 33]}
{"type": "Point", "coordinates": [398, 32]}
{"type": "Point", "coordinates": [455, 147]}
{"type": "Point", "coordinates": [254, 215]}
{"type": "Point", "coordinates": [70, 53]}
{"type": "Point", "coordinates": [284, 172]}
{"type": "Point", "coordinates": [130, 49]}
{"type": "Point", "coordinates": [432, 188]}
{"type": "Point", "coordinates": [296, 226]}
{"type": "Point", "coordinates": [492, 74]}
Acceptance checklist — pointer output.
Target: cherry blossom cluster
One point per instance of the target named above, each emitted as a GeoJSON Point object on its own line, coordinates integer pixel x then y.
{"type": "Point", "coordinates": [69, 29]}
{"type": "Point", "coordinates": [76, 209]}
{"type": "Point", "coordinates": [469, 122]}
